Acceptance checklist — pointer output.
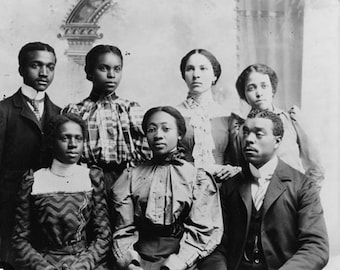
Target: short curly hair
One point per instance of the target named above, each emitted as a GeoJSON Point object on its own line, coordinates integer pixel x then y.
{"type": "Point", "coordinates": [52, 129]}
{"type": "Point", "coordinates": [213, 60]}
{"type": "Point", "coordinates": [278, 129]}
{"type": "Point", "coordinates": [260, 68]}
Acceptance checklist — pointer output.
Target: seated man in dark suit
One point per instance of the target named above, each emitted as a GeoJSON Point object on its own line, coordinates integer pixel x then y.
{"type": "Point", "coordinates": [23, 117]}
{"type": "Point", "coordinates": [272, 213]}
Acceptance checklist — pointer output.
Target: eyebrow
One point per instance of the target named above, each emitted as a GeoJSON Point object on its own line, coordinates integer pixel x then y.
{"type": "Point", "coordinates": [162, 123]}
{"type": "Point", "coordinates": [41, 62]}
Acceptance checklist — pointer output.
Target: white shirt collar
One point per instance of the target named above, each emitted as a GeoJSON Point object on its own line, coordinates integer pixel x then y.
{"type": "Point", "coordinates": [30, 92]}
{"type": "Point", "coordinates": [266, 171]}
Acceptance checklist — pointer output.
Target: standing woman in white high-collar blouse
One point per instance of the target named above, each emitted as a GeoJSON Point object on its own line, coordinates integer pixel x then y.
{"type": "Point", "coordinates": [62, 219]}
{"type": "Point", "coordinates": [208, 126]}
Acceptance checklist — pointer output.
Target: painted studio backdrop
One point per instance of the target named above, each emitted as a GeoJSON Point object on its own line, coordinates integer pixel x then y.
{"type": "Point", "coordinates": [299, 39]}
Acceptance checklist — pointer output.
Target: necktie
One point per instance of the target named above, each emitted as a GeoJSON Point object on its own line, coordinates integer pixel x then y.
{"type": "Point", "coordinates": [35, 105]}
{"type": "Point", "coordinates": [261, 192]}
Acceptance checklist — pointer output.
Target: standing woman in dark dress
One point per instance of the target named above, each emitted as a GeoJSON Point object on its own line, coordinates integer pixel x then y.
{"type": "Point", "coordinates": [168, 213]}
{"type": "Point", "coordinates": [62, 219]}
{"type": "Point", "coordinates": [208, 126]}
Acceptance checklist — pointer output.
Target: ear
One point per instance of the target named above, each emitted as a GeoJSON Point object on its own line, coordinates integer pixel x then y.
{"type": "Point", "coordinates": [88, 74]}
{"type": "Point", "coordinates": [21, 72]}
{"type": "Point", "coordinates": [278, 140]}
{"type": "Point", "coordinates": [214, 81]}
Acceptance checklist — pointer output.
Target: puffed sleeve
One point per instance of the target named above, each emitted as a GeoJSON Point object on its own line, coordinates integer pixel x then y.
{"type": "Point", "coordinates": [136, 113]}
{"type": "Point", "coordinates": [26, 255]}
{"type": "Point", "coordinates": [203, 226]}
{"type": "Point", "coordinates": [125, 235]}
{"type": "Point", "coordinates": [70, 108]}
{"type": "Point", "coordinates": [96, 253]}
{"type": "Point", "coordinates": [308, 152]}
{"type": "Point", "coordinates": [233, 153]}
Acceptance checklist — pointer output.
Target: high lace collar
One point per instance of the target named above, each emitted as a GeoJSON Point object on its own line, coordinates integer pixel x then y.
{"type": "Point", "coordinates": [203, 100]}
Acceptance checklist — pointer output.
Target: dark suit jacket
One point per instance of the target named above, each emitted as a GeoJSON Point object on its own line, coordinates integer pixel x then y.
{"type": "Point", "coordinates": [293, 231]}
{"type": "Point", "coordinates": [21, 141]}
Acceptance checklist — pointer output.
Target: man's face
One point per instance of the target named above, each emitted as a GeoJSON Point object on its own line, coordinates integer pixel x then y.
{"type": "Point", "coordinates": [258, 141]}
{"type": "Point", "coordinates": [38, 70]}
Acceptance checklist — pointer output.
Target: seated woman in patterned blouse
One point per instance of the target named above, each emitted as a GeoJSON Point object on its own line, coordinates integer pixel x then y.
{"type": "Point", "coordinates": [168, 213]}
{"type": "Point", "coordinates": [62, 219]}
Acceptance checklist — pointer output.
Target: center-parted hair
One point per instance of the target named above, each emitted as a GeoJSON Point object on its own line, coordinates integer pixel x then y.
{"type": "Point", "coordinates": [278, 129]}
{"type": "Point", "coordinates": [33, 46]}
{"type": "Point", "coordinates": [180, 122]}
{"type": "Point", "coordinates": [95, 52]}
{"type": "Point", "coordinates": [213, 60]}
{"type": "Point", "coordinates": [260, 68]}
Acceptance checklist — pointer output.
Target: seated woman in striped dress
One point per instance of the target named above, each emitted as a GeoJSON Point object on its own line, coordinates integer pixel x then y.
{"type": "Point", "coordinates": [62, 219]}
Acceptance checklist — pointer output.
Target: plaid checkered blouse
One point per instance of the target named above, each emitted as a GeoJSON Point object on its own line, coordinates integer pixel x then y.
{"type": "Point", "coordinates": [114, 130]}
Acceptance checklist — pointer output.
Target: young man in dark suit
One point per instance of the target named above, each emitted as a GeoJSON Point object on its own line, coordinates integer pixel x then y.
{"type": "Point", "coordinates": [272, 213]}
{"type": "Point", "coordinates": [23, 119]}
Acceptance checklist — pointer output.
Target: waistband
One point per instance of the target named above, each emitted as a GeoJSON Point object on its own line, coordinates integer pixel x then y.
{"type": "Point", "coordinates": [156, 248]}
{"type": "Point", "coordinates": [71, 248]}
{"type": "Point", "coordinates": [148, 230]}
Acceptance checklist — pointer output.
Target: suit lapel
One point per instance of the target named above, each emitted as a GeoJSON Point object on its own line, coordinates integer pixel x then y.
{"type": "Point", "coordinates": [276, 186]}
{"type": "Point", "coordinates": [26, 112]}
{"type": "Point", "coordinates": [245, 193]}
{"type": "Point", "coordinates": [50, 110]}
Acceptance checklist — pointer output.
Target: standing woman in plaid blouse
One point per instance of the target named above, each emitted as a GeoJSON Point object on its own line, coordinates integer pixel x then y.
{"type": "Point", "coordinates": [115, 136]}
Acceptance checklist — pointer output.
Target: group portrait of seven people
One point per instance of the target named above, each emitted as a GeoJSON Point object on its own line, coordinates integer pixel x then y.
{"type": "Point", "coordinates": [102, 185]}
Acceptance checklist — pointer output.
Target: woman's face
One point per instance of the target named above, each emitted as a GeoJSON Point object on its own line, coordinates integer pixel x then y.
{"type": "Point", "coordinates": [259, 91]}
{"type": "Point", "coordinates": [69, 143]}
{"type": "Point", "coordinates": [162, 133]}
{"type": "Point", "coordinates": [107, 73]}
{"type": "Point", "coordinates": [199, 73]}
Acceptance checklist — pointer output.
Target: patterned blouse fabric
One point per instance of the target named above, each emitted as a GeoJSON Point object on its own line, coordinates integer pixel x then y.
{"type": "Point", "coordinates": [296, 148]}
{"type": "Point", "coordinates": [206, 133]}
{"type": "Point", "coordinates": [62, 230]}
{"type": "Point", "coordinates": [160, 196]}
{"type": "Point", "coordinates": [114, 129]}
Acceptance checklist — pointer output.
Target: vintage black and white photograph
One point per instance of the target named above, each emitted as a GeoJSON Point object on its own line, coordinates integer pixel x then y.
{"type": "Point", "coordinates": [169, 134]}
